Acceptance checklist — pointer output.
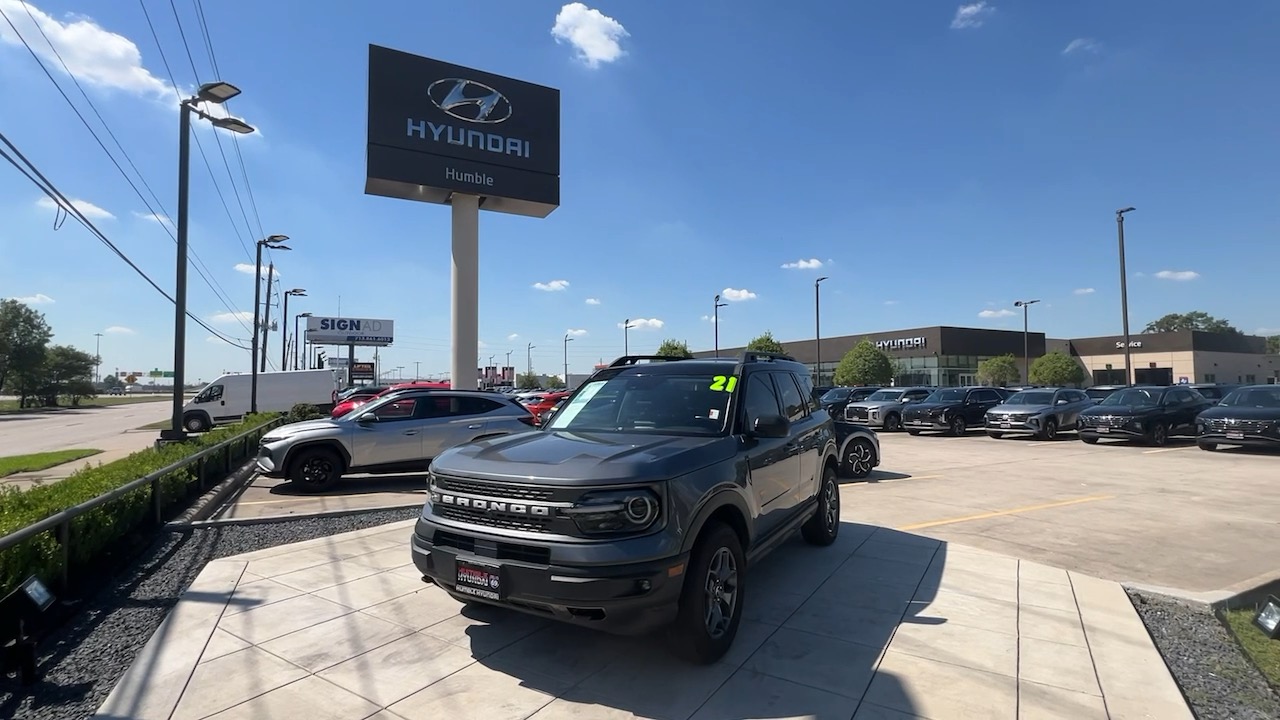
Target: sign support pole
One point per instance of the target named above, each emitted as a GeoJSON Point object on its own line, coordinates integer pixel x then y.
{"type": "Point", "coordinates": [351, 364]}
{"type": "Point", "coordinates": [466, 289]}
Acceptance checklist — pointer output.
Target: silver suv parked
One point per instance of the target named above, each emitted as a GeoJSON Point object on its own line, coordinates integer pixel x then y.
{"type": "Point", "coordinates": [399, 432]}
{"type": "Point", "coordinates": [883, 408]}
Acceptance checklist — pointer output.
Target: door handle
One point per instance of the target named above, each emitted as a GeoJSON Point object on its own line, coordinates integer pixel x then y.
{"type": "Point", "coordinates": [410, 432]}
{"type": "Point", "coordinates": [475, 427]}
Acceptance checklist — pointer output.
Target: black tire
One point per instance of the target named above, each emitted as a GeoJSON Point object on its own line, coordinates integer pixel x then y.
{"type": "Point", "coordinates": [715, 578]}
{"type": "Point", "coordinates": [859, 458]}
{"type": "Point", "coordinates": [892, 422]}
{"type": "Point", "coordinates": [823, 528]}
{"type": "Point", "coordinates": [1089, 440]}
{"type": "Point", "coordinates": [912, 431]}
{"type": "Point", "coordinates": [958, 426]}
{"type": "Point", "coordinates": [1159, 435]}
{"type": "Point", "coordinates": [1050, 430]}
{"type": "Point", "coordinates": [996, 434]}
{"type": "Point", "coordinates": [195, 422]}
{"type": "Point", "coordinates": [1207, 446]}
{"type": "Point", "coordinates": [315, 469]}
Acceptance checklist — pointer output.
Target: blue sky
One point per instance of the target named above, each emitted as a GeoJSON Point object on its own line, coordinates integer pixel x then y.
{"type": "Point", "coordinates": [939, 159]}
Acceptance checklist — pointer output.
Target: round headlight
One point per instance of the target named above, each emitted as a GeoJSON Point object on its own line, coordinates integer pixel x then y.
{"type": "Point", "coordinates": [641, 509]}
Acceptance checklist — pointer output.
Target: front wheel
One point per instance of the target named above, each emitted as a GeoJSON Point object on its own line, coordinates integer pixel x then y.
{"type": "Point", "coordinates": [912, 431]}
{"type": "Point", "coordinates": [996, 434]}
{"type": "Point", "coordinates": [315, 469]}
{"type": "Point", "coordinates": [1050, 431]}
{"type": "Point", "coordinates": [958, 426]}
{"type": "Point", "coordinates": [1089, 440]}
{"type": "Point", "coordinates": [195, 422]}
{"type": "Point", "coordinates": [1159, 435]}
{"type": "Point", "coordinates": [860, 458]}
{"type": "Point", "coordinates": [892, 423]}
{"type": "Point", "coordinates": [712, 598]}
{"type": "Point", "coordinates": [824, 526]}
{"type": "Point", "coordinates": [1208, 446]}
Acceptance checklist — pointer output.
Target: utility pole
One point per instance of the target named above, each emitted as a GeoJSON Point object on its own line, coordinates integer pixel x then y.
{"type": "Point", "coordinates": [266, 317]}
{"type": "Point", "coordinates": [529, 358]}
{"type": "Point", "coordinates": [1124, 297]}
{"type": "Point", "coordinates": [507, 365]}
{"type": "Point", "coordinates": [567, 340]}
{"type": "Point", "coordinates": [97, 358]}
{"type": "Point", "coordinates": [1026, 339]}
{"type": "Point", "coordinates": [715, 321]}
{"type": "Point", "coordinates": [417, 369]}
{"type": "Point", "coordinates": [817, 331]}
{"type": "Point", "coordinates": [626, 337]}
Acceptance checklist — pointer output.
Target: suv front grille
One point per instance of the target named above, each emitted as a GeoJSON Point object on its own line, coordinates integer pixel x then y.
{"type": "Point", "coordinates": [495, 520]}
{"type": "Point", "coordinates": [857, 413]}
{"type": "Point", "coordinates": [1218, 425]}
{"type": "Point", "coordinates": [497, 551]}
{"type": "Point", "coordinates": [501, 491]}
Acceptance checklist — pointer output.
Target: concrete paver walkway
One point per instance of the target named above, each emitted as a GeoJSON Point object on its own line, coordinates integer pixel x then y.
{"type": "Point", "coordinates": [883, 625]}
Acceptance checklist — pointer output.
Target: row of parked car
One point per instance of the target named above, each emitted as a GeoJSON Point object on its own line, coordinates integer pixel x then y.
{"type": "Point", "coordinates": [1213, 414]}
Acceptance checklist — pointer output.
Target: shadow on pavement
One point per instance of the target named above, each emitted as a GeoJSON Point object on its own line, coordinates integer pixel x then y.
{"type": "Point", "coordinates": [361, 485]}
{"type": "Point", "coordinates": [815, 625]}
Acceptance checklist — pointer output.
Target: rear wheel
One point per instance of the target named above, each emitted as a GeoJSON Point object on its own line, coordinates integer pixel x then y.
{"type": "Point", "coordinates": [315, 469]}
{"type": "Point", "coordinates": [892, 422]}
{"type": "Point", "coordinates": [824, 526]}
{"type": "Point", "coordinates": [712, 598]}
{"type": "Point", "coordinates": [1050, 431]}
{"type": "Point", "coordinates": [860, 458]}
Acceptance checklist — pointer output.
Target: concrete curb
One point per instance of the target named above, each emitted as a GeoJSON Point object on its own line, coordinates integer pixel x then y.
{"type": "Point", "coordinates": [268, 519]}
{"type": "Point", "coordinates": [209, 503]}
{"type": "Point", "coordinates": [1248, 593]}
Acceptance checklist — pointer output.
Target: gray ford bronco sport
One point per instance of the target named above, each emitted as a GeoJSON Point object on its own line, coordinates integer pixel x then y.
{"type": "Point", "coordinates": [642, 503]}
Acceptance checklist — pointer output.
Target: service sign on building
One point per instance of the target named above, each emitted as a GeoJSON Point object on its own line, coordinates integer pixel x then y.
{"type": "Point", "coordinates": [349, 331]}
{"type": "Point", "coordinates": [436, 128]}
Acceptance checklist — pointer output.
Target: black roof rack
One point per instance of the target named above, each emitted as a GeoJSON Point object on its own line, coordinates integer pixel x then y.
{"type": "Point", "coordinates": [628, 360]}
{"type": "Point", "coordinates": [758, 355]}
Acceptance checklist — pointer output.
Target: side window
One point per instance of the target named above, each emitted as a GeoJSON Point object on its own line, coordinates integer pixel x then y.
{"type": "Point", "coordinates": [793, 402]}
{"type": "Point", "coordinates": [806, 390]}
{"type": "Point", "coordinates": [759, 400]}
{"type": "Point", "coordinates": [398, 410]}
{"type": "Point", "coordinates": [918, 394]}
{"type": "Point", "coordinates": [464, 406]}
{"type": "Point", "coordinates": [213, 393]}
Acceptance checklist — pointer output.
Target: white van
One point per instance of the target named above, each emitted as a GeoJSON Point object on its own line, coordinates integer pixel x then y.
{"type": "Point", "coordinates": [228, 399]}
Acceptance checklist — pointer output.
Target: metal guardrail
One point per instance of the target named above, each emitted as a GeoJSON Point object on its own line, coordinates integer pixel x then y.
{"type": "Point", "coordinates": [61, 520]}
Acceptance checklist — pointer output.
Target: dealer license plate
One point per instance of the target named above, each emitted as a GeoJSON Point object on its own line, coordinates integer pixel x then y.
{"type": "Point", "coordinates": [1235, 434]}
{"type": "Point", "coordinates": [483, 581]}
{"type": "Point", "coordinates": [1004, 426]}
{"type": "Point", "coordinates": [1104, 430]}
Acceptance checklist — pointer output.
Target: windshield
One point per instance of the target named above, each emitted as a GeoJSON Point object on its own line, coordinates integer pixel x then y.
{"type": "Point", "coordinates": [836, 395]}
{"type": "Point", "coordinates": [1253, 398]}
{"type": "Point", "coordinates": [1133, 398]}
{"type": "Point", "coordinates": [949, 395]}
{"type": "Point", "coordinates": [1030, 398]}
{"type": "Point", "coordinates": [885, 395]}
{"type": "Point", "coordinates": [666, 404]}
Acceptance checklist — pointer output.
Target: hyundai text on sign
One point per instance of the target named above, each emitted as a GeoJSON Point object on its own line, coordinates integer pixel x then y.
{"type": "Point", "coordinates": [349, 331]}
{"type": "Point", "coordinates": [436, 128]}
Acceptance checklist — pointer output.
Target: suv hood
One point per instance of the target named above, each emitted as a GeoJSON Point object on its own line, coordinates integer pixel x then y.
{"type": "Point", "coordinates": [928, 407]}
{"type": "Point", "coordinates": [1121, 410]}
{"type": "Point", "coordinates": [1217, 412]}
{"type": "Point", "coordinates": [1020, 409]}
{"type": "Point", "coordinates": [873, 404]}
{"type": "Point", "coordinates": [297, 428]}
{"type": "Point", "coordinates": [567, 458]}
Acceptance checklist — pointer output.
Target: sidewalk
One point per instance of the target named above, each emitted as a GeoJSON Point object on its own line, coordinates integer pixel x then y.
{"type": "Point", "coordinates": [883, 624]}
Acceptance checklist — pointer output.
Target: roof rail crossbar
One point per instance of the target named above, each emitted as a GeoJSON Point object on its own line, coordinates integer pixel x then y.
{"type": "Point", "coordinates": [627, 360]}
{"type": "Point", "coordinates": [757, 355]}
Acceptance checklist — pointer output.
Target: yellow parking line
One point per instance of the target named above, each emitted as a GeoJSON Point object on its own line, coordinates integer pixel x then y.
{"type": "Point", "coordinates": [1001, 513]}
{"type": "Point", "coordinates": [1173, 449]}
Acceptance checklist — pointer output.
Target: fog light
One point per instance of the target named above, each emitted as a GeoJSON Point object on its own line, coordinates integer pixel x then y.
{"type": "Point", "coordinates": [645, 586]}
{"type": "Point", "coordinates": [1268, 618]}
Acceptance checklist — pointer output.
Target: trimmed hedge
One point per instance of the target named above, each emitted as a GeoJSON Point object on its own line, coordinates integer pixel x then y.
{"type": "Point", "coordinates": [97, 530]}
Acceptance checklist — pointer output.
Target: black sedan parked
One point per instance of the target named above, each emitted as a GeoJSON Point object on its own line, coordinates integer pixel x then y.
{"type": "Point", "coordinates": [1040, 412]}
{"type": "Point", "coordinates": [1249, 415]}
{"type": "Point", "coordinates": [1148, 413]}
{"type": "Point", "coordinates": [952, 410]}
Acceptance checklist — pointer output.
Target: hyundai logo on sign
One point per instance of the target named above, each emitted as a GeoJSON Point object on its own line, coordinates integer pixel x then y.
{"type": "Point", "coordinates": [483, 103]}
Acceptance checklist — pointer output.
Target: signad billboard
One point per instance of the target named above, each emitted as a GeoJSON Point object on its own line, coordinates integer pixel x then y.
{"type": "Point", "coordinates": [436, 128]}
{"type": "Point", "coordinates": [349, 331]}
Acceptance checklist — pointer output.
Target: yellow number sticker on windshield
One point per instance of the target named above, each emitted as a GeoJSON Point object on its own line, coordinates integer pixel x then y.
{"type": "Point", "coordinates": [722, 383]}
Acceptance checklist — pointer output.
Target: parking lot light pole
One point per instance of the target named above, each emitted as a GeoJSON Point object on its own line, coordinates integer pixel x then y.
{"type": "Point", "coordinates": [567, 340]}
{"type": "Point", "coordinates": [817, 330]}
{"type": "Point", "coordinates": [1124, 296]}
{"type": "Point", "coordinates": [715, 320]}
{"type": "Point", "coordinates": [284, 326]}
{"type": "Point", "coordinates": [275, 242]}
{"type": "Point", "coordinates": [1026, 340]}
{"type": "Point", "coordinates": [513, 370]}
{"type": "Point", "coordinates": [626, 336]}
{"type": "Point", "coordinates": [97, 358]}
{"type": "Point", "coordinates": [298, 340]}
{"type": "Point", "coordinates": [215, 93]}
{"type": "Point", "coordinates": [529, 358]}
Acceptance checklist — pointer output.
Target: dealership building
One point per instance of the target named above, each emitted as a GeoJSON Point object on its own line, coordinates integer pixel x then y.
{"type": "Point", "coordinates": [949, 356]}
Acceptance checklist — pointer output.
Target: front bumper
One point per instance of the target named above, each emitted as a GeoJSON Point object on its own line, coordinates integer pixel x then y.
{"type": "Point", "coordinates": [1122, 433]}
{"type": "Point", "coordinates": [621, 598]}
{"type": "Point", "coordinates": [1029, 426]}
{"type": "Point", "coordinates": [270, 461]}
{"type": "Point", "coordinates": [1244, 440]}
{"type": "Point", "coordinates": [930, 422]}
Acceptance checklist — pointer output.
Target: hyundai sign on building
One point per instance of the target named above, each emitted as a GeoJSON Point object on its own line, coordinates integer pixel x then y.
{"type": "Point", "coordinates": [436, 129]}
{"type": "Point", "coordinates": [349, 331]}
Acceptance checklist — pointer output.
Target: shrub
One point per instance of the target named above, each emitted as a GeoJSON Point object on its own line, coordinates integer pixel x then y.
{"type": "Point", "coordinates": [97, 530]}
{"type": "Point", "coordinates": [303, 411]}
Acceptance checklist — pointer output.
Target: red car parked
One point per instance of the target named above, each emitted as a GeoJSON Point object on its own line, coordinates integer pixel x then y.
{"type": "Point", "coordinates": [544, 403]}
{"type": "Point", "coordinates": [358, 398]}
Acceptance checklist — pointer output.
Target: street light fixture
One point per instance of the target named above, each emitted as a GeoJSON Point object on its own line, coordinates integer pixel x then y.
{"type": "Point", "coordinates": [817, 330]}
{"type": "Point", "coordinates": [299, 340]}
{"type": "Point", "coordinates": [1124, 296]}
{"type": "Point", "coordinates": [284, 326]}
{"type": "Point", "coordinates": [97, 358]}
{"type": "Point", "coordinates": [567, 340]}
{"type": "Point", "coordinates": [715, 320]}
{"type": "Point", "coordinates": [626, 336]}
{"type": "Point", "coordinates": [216, 93]}
{"type": "Point", "coordinates": [529, 358]}
{"type": "Point", "coordinates": [1026, 342]}
{"type": "Point", "coordinates": [274, 242]}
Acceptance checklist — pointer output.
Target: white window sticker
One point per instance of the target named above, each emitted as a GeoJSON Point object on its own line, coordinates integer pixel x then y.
{"type": "Point", "coordinates": [566, 416]}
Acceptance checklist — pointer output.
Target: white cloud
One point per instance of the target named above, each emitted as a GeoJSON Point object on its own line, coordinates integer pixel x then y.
{"type": "Point", "coordinates": [513, 336]}
{"type": "Point", "coordinates": [228, 318]}
{"type": "Point", "coordinates": [972, 15]}
{"type": "Point", "coordinates": [810, 264]}
{"type": "Point", "coordinates": [1002, 312]}
{"type": "Point", "coordinates": [247, 269]}
{"type": "Point", "coordinates": [592, 301]}
{"type": "Point", "coordinates": [1082, 45]}
{"type": "Point", "coordinates": [596, 36]}
{"type": "Point", "coordinates": [1178, 275]}
{"type": "Point", "coordinates": [215, 340]}
{"type": "Point", "coordinates": [575, 333]}
{"type": "Point", "coordinates": [644, 324]}
{"type": "Point", "coordinates": [88, 209]}
{"type": "Point", "coordinates": [890, 302]}
{"type": "Point", "coordinates": [1083, 291]}
{"type": "Point", "coordinates": [553, 286]}
{"type": "Point", "coordinates": [159, 219]}
{"type": "Point", "coordinates": [710, 318]}
{"type": "Point", "coordinates": [120, 330]}
{"type": "Point", "coordinates": [734, 295]}
{"type": "Point", "coordinates": [37, 299]}
{"type": "Point", "coordinates": [1267, 331]}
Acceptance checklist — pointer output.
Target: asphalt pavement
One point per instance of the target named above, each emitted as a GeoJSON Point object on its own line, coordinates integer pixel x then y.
{"type": "Point", "coordinates": [104, 428]}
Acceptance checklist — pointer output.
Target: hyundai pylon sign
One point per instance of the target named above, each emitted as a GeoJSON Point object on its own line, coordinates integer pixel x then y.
{"type": "Point", "coordinates": [349, 331]}
{"type": "Point", "coordinates": [437, 128]}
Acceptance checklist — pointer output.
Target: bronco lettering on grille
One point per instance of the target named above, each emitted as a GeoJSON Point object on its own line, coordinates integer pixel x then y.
{"type": "Point", "coordinates": [485, 505]}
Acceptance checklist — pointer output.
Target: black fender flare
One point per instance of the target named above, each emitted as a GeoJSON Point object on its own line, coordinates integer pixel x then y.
{"type": "Point", "coordinates": [724, 498]}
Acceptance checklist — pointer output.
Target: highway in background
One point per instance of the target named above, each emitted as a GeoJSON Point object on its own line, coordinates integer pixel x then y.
{"type": "Point", "coordinates": [103, 428]}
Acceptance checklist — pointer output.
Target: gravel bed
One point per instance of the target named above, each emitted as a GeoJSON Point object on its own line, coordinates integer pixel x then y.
{"type": "Point", "coordinates": [1217, 679]}
{"type": "Point", "coordinates": [82, 660]}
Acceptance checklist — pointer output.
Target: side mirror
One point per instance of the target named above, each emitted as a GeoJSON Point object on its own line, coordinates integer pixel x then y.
{"type": "Point", "coordinates": [771, 426]}
{"type": "Point", "coordinates": [1061, 401]}
{"type": "Point", "coordinates": [367, 418]}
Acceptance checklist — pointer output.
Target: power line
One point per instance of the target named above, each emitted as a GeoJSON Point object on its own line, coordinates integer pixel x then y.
{"type": "Point", "coordinates": [201, 268]}
{"type": "Point", "coordinates": [49, 189]}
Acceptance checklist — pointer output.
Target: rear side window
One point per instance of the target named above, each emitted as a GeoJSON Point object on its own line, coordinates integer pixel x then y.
{"type": "Point", "coordinates": [475, 406]}
{"type": "Point", "coordinates": [806, 389]}
{"type": "Point", "coordinates": [793, 402]}
{"type": "Point", "coordinates": [759, 400]}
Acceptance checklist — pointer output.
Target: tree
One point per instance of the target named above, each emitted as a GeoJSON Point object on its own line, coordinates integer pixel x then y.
{"type": "Point", "coordinates": [24, 335]}
{"type": "Point", "coordinates": [527, 381]}
{"type": "Point", "coordinates": [66, 371]}
{"type": "Point", "coordinates": [999, 370]}
{"type": "Point", "coordinates": [1056, 369]}
{"type": "Point", "coordinates": [1273, 345]}
{"type": "Point", "coordinates": [1195, 320]}
{"type": "Point", "coordinates": [766, 343]}
{"type": "Point", "coordinates": [555, 383]}
{"type": "Point", "coordinates": [674, 348]}
{"type": "Point", "coordinates": [865, 364]}
{"type": "Point", "coordinates": [111, 381]}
